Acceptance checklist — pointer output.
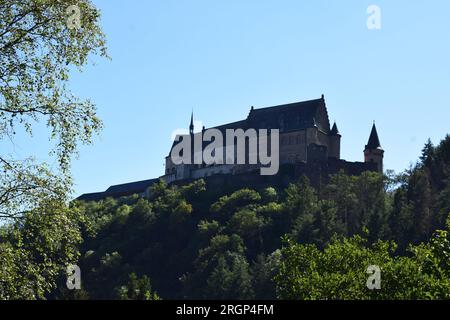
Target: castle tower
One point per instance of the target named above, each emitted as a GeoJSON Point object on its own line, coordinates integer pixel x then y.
{"type": "Point", "coordinates": [334, 150]}
{"type": "Point", "coordinates": [373, 153]}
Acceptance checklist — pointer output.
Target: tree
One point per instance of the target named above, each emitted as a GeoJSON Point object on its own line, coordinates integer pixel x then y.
{"type": "Point", "coordinates": [371, 208]}
{"type": "Point", "coordinates": [137, 289]}
{"type": "Point", "coordinates": [401, 220]}
{"type": "Point", "coordinates": [263, 271]}
{"type": "Point", "coordinates": [301, 206]}
{"type": "Point", "coordinates": [35, 251]}
{"type": "Point", "coordinates": [269, 195]}
{"type": "Point", "coordinates": [247, 224]}
{"type": "Point", "coordinates": [341, 191]}
{"type": "Point", "coordinates": [38, 49]}
{"type": "Point", "coordinates": [428, 155]}
{"type": "Point", "coordinates": [327, 223]}
{"type": "Point", "coordinates": [340, 270]}
{"type": "Point", "coordinates": [244, 198]}
{"type": "Point", "coordinates": [230, 279]}
{"type": "Point", "coordinates": [224, 245]}
{"type": "Point", "coordinates": [39, 45]}
{"type": "Point", "coordinates": [420, 199]}
{"type": "Point", "coordinates": [221, 271]}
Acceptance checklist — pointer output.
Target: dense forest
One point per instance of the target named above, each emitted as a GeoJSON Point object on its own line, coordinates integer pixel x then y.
{"type": "Point", "coordinates": [188, 242]}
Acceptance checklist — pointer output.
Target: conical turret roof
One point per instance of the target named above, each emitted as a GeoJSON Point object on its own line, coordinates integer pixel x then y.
{"type": "Point", "coordinates": [374, 141]}
{"type": "Point", "coordinates": [334, 131]}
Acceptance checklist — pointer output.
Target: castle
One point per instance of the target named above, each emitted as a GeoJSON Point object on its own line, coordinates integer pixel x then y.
{"type": "Point", "coordinates": [307, 144]}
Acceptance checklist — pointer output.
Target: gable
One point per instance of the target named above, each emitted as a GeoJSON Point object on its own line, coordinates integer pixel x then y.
{"type": "Point", "coordinates": [291, 117]}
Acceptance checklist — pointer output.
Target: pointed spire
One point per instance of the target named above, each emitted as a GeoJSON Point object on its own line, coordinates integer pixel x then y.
{"type": "Point", "coordinates": [334, 130]}
{"type": "Point", "coordinates": [374, 141]}
{"type": "Point", "coordinates": [191, 126]}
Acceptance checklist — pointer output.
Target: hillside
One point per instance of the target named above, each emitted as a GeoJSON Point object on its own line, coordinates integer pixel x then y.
{"type": "Point", "coordinates": [191, 244]}
{"type": "Point", "coordinates": [188, 242]}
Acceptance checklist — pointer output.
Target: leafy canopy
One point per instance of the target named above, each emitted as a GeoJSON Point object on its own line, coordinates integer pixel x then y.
{"type": "Point", "coordinates": [38, 49]}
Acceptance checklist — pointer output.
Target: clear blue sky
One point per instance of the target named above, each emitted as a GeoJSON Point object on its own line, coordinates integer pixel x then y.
{"type": "Point", "coordinates": [221, 57]}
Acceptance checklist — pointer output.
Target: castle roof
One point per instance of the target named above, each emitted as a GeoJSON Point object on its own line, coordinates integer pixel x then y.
{"type": "Point", "coordinates": [96, 196]}
{"type": "Point", "coordinates": [292, 116]}
{"type": "Point", "coordinates": [135, 187]}
{"type": "Point", "coordinates": [233, 125]}
{"type": "Point", "coordinates": [287, 117]}
{"type": "Point", "coordinates": [374, 141]}
{"type": "Point", "coordinates": [119, 190]}
{"type": "Point", "coordinates": [334, 130]}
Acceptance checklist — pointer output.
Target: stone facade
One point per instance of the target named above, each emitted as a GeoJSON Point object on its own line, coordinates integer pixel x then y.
{"type": "Point", "coordinates": [305, 136]}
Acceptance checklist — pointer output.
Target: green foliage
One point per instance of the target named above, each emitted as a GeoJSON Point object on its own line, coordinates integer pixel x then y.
{"type": "Point", "coordinates": [263, 271]}
{"type": "Point", "coordinates": [208, 228]}
{"type": "Point", "coordinates": [269, 195]}
{"type": "Point", "coordinates": [186, 242]}
{"type": "Point", "coordinates": [360, 202]}
{"type": "Point", "coordinates": [339, 271]}
{"type": "Point", "coordinates": [239, 199]}
{"type": "Point", "coordinates": [230, 249]}
{"type": "Point", "coordinates": [35, 252]}
{"type": "Point", "coordinates": [246, 223]}
{"type": "Point", "coordinates": [301, 206]}
{"type": "Point", "coordinates": [37, 52]}
{"type": "Point", "coordinates": [137, 289]}
{"type": "Point", "coordinates": [421, 203]}
{"type": "Point", "coordinates": [222, 271]}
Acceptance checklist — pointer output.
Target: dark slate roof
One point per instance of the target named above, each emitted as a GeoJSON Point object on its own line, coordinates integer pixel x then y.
{"type": "Point", "coordinates": [374, 141]}
{"type": "Point", "coordinates": [287, 117]}
{"type": "Point", "coordinates": [233, 125]}
{"type": "Point", "coordinates": [131, 188]}
{"type": "Point", "coordinates": [334, 130]}
{"type": "Point", "coordinates": [120, 190]}
{"type": "Point", "coordinates": [292, 117]}
{"type": "Point", "coordinates": [97, 196]}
